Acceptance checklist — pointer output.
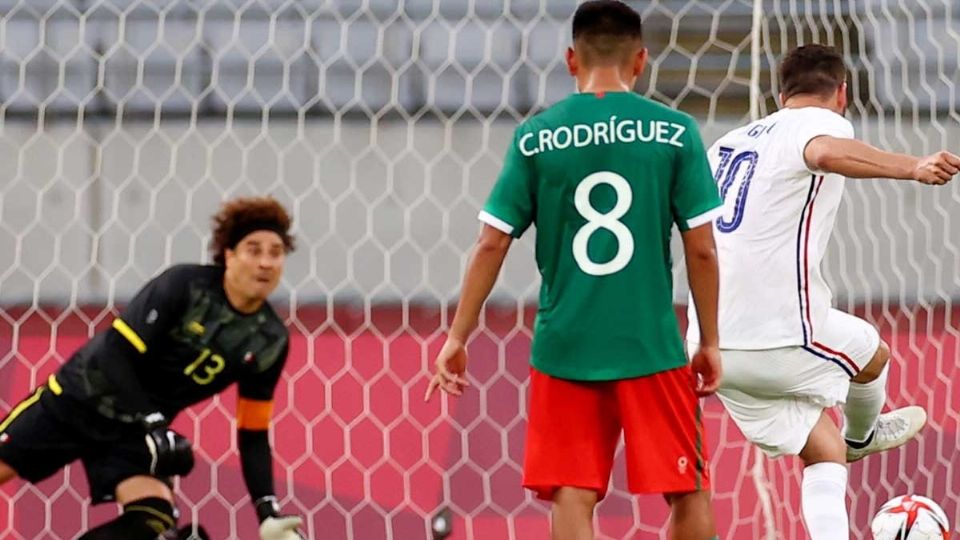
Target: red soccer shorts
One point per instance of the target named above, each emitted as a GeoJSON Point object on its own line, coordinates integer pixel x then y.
{"type": "Point", "coordinates": [574, 427]}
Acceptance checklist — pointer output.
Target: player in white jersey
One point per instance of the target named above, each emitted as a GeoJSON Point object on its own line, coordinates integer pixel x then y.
{"type": "Point", "coordinates": [787, 355]}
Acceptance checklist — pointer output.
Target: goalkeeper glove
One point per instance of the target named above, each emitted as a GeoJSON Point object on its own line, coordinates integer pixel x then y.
{"type": "Point", "coordinates": [273, 526]}
{"type": "Point", "coordinates": [170, 452]}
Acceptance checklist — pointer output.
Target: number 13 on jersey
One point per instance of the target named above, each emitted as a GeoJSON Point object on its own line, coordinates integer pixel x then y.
{"type": "Point", "coordinates": [210, 369]}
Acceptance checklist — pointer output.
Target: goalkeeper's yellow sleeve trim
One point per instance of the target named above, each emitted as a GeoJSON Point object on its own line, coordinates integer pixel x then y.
{"type": "Point", "coordinates": [54, 385]}
{"type": "Point", "coordinates": [254, 414]}
{"type": "Point", "coordinates": [131, 336]}
{"type": "Point", "coordinates": [20, 408]}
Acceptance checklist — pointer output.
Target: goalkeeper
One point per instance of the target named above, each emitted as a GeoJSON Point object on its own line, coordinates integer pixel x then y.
{"type": "Point", "coordinates": [186, 336]}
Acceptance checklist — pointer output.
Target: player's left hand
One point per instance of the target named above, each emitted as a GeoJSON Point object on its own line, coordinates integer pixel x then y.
{"type": "Point", "coordinates": [707, 370]}
{"type": "Point", "coordinates": [171, 454]}
{"type": "Point", "coordinates": [451, 367]}
{"type": "Point", "coordinates": [281, 528]}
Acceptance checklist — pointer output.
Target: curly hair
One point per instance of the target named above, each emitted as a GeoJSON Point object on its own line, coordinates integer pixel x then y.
{"type": "Point", "coordinates": [241, 216]}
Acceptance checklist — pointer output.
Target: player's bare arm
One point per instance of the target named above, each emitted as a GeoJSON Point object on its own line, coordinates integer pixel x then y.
{"type": "Point", "coordinates": [857, 159]}
{"type": "Point", "coordinates": [703, 274]}
{"type": "Point", "coordinates": [482, 271]}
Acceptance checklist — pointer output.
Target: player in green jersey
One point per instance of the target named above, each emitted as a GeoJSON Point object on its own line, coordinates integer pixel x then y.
{"type": "Point", "coordinates": [604, 175]}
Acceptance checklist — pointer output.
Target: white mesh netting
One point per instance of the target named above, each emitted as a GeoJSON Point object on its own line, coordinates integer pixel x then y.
{"type": "Point", "coordinates": [381, 124]}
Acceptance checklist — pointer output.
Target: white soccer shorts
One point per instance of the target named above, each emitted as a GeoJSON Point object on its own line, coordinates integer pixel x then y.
{"type": "Point", "coordinates": [776, 396]}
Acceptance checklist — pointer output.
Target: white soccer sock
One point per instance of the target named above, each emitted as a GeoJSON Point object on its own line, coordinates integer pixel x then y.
{"type": "Point", "coordinates": [862, 409]}
{"type": "Point", "coordinates": [824, 501]}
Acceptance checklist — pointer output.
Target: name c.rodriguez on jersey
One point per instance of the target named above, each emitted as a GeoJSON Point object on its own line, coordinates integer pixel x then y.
{"type": "Point", "coordinates": [610, 132]}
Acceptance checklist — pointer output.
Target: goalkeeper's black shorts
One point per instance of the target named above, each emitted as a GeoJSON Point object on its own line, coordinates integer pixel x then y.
{"type": "Point", "coordinates": [46, 431]}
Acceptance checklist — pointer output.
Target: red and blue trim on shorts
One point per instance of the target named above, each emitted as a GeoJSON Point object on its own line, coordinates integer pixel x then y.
{"type": "Point", "coordinates": [810, 344]}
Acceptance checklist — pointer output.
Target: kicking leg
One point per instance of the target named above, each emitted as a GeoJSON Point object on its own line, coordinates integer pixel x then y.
{"type": "Point", "coordinates": [866, 430]}
{"type": "Point", "coordinates": [867, 394]}
{"type": "Point", "coordinates": [823, 494]}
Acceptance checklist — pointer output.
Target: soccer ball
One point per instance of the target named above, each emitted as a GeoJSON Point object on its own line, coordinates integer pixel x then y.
{"type": "Point", "coordinates": [910, 517]}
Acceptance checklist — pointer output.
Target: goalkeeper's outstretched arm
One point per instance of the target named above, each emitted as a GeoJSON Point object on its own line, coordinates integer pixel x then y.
{"type": "Point", "coordinates": [254, 413]}
{"type": "Point", "coordinates": [857, 159]}
{"type": "Point", "coordinates": [256, 460]}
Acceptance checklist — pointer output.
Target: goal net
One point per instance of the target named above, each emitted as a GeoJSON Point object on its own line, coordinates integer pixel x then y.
{"type": "Point", "coordinates": [382, 124]}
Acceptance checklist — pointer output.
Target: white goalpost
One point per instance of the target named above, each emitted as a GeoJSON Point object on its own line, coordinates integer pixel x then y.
{"type": "Point", "coordinates": [757, 470]}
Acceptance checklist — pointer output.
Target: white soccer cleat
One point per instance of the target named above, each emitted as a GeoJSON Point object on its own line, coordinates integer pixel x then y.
{"type": "Point", "coordinates": [893, 429]}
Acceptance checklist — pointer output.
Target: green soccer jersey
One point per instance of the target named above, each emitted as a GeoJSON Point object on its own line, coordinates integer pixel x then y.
{"type": "Point", "coordinates": [604, 177]}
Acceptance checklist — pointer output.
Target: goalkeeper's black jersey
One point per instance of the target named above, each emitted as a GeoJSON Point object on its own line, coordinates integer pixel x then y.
{"type": "Point", "coordinates": [185, 343]}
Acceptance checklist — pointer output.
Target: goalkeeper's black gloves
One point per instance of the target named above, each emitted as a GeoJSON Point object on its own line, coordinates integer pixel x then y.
{"type": "Point", "coordinates": [273, 526]}
{"type": "Point", "coordinates": [170, 453]}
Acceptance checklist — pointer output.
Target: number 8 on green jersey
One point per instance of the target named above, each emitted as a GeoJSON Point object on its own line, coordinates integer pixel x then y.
{"type": "Point", "coordinates": [604, 177]}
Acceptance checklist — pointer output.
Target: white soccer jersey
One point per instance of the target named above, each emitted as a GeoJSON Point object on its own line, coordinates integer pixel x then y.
{"type": "Point", "coordinates": [777, 219]}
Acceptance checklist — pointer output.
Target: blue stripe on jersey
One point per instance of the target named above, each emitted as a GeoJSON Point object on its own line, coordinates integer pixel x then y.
{"type": "Point", "coordinates": [803, 214]}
